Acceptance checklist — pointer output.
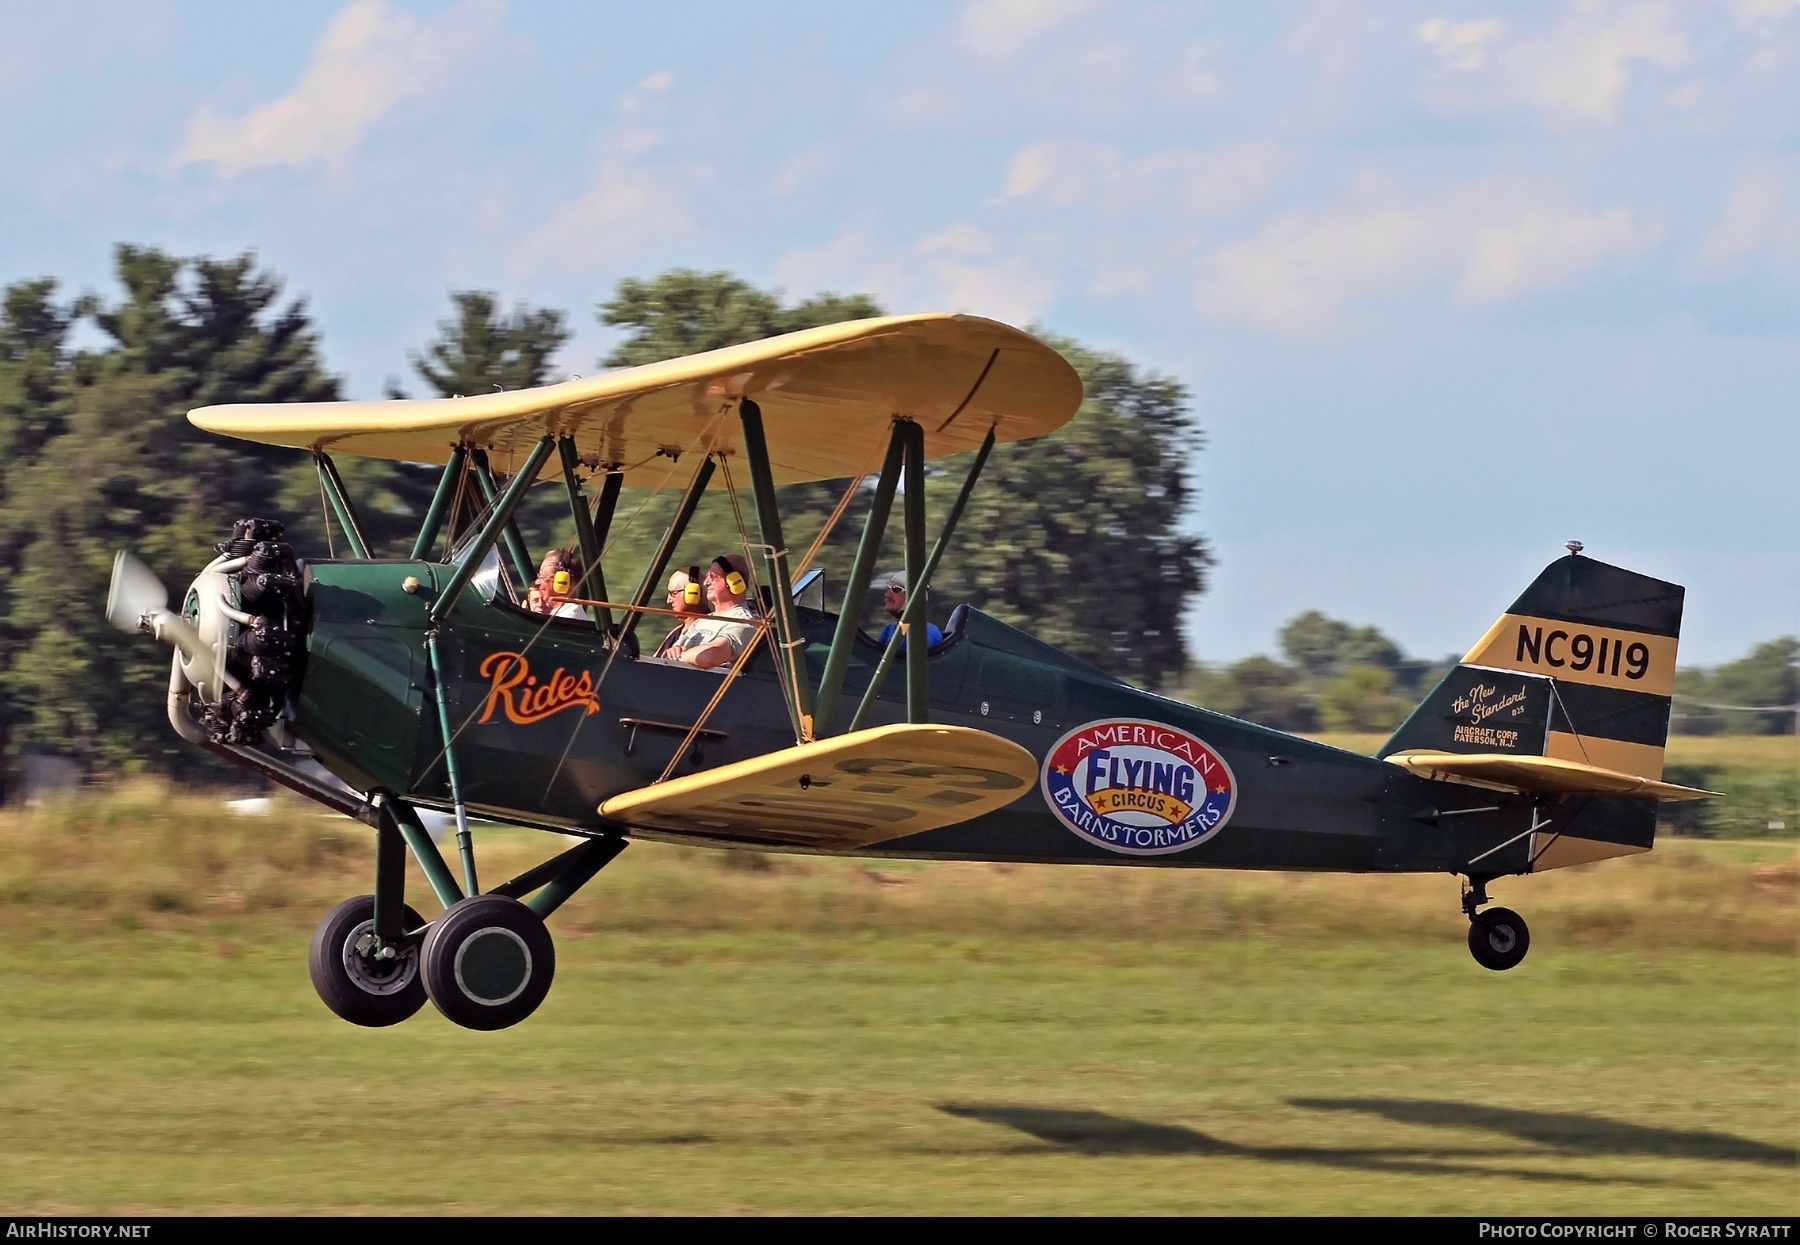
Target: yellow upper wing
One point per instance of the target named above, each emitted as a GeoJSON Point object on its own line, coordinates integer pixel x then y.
{"type": "Point", "coordinates": [827, 397]}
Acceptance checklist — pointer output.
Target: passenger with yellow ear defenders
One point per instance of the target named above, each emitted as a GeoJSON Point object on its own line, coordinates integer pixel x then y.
{"type": "Point", "coordinates": [686, 596]}
{"type": "Point", "coordinates": [716, 641]}
{"type": "Point", "coordinates": [559, 578]}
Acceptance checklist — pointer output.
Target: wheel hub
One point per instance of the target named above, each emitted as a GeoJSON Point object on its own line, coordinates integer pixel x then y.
{"type": "Point", "coordinates": [373, 971]}
{"type": "Point", "coordinates": [493, 965]}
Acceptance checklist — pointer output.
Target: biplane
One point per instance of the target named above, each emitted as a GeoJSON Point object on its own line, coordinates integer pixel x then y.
{"type": "Point", "coordinates": [432, 683]}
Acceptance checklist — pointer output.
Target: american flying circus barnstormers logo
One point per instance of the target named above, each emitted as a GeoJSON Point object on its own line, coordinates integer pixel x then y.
{"type": "Point", "coordinates": [1136, 787]}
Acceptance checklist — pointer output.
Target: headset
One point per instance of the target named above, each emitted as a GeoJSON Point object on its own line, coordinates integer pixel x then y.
{"type": "Point", "coordinates": [733, 581]}
{"type": "Point", "coordinates": [691, 593]}
{"type": "Point", "coordinates": [560, 583]}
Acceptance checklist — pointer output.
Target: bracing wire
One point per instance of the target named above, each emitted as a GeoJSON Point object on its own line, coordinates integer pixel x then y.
{"type": "Point", "coordinates": [743, 660]}
{"type": "Point", "coordinates": [612, 656]}
{"type": "Point", "coordinates": [325, 517]}
{"type": "Point", "coordinates": [544, 626]}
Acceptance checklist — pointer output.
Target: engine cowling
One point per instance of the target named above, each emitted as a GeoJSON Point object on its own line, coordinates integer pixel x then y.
{"type": "Point", "coordinates": [249, 609]}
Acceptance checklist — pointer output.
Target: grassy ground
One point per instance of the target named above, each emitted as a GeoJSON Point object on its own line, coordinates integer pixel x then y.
{"type": "Point", "coordinates": [833, 1036]}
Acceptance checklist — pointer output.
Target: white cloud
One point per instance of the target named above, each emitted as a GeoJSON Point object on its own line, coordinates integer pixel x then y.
{"type": "Point", "coordinates": [844, 263]}
{"type": "Point", "coordinates": [1584, 66]}
{"type": "Point", "coordinates": [629, 205]}
{"type": "Point", "coordinates": [961, 238]}
{"type": "Point", "coordinates": [1060, 171]}
{"type": "Point", "coordinates": [626, 210]}
{"type": "Point", "coordinates": [1196, 77]}
{"type": "Point", "coordinates": [1298, 273]}
{"type": "Point", "coordinates": [1753, 218]}
{"type": "Point", "coordinates": [41, 39]}
{"type": "Point", "coordinates": [1294, 276]}
{"type": "Point", "coordinates": [1537, 248]}
{"type": "Point", "coordinates": [1001, 27]}
{"type": "Point", "coordinates": [372, 57]}
{"type": "Point", "coordinates": [955, 269]}
{"type": "Point", "coordinates": [1221, 181]}
{"type": "Point", "coordinates": [1212, 184]}
{"type": "Point", "coordinates": [1463, 45]}
{"type": "Point", "coordinates": [1762, 12]}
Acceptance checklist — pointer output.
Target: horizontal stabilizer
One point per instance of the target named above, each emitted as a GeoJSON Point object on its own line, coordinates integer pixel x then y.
{"type": "Point", "coordinates": [844, 792]}
{"type": "Point", "coordinates": [1540, 775]}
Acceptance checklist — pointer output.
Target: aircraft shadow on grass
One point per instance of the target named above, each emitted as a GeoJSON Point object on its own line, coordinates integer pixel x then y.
{"type": "Point", "coordinates": [1564, 1132]}
{"type": "Point", "coordinates": [1096, 1133]}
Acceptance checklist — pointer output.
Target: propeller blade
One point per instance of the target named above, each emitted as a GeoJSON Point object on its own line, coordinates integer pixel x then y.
{"type": "Point", "coordinates": [173, 629]}
{"type": "Point", "coordinates": [136, 591]}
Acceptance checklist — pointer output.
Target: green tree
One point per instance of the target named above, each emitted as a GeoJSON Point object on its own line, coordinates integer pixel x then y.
{"type": "Point", "coordinates": [1076, 536]}
{"type": "Point", "coordinates": [1716, 702]}
{"type": "Point", "coordinates": [1362, 698]}
{"type": "Point", "coordinates": [1768, 675]}
{"type": "Point", "coordinates": [685, 312]}
{"type": "Point", "coordinates": [122, 468]}
{"type": "Point", "coordinates": [1257, 689]}
{"type": "Point", "coordinates": [34, 408]}
{"type": "Point", "coordinates": [479, 350]}
{"type": "Point", "coordinates": [1073, 536]}
{"type": "Point", "coordinates": [1324, 647]}
{"type": "Point", "coordinates": [1692, 712]}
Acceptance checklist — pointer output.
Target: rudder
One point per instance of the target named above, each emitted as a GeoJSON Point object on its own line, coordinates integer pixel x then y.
{"type": "Point", "coordinates": [1581, 668]}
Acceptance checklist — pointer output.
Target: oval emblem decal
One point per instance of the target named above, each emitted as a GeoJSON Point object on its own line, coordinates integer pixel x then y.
{"type": "Point", "coordinates": [1136, 787]}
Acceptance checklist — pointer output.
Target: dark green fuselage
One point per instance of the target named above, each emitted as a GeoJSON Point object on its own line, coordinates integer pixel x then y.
{"type": "Point", "coordinates": [540, 753]}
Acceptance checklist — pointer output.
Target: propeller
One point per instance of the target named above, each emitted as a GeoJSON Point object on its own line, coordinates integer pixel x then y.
{"type": "Point", "coordinates": [138, 601]}
{"type": "Point", "coordinates": [136, 592]}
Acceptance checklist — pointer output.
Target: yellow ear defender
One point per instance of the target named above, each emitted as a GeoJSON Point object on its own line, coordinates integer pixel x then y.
{"type": "Point", "coordinates": [733, 580]}
{"type": "Point", "coordinates": [560, 583]}
{"type": "Point", "coordinates": [691, 593]}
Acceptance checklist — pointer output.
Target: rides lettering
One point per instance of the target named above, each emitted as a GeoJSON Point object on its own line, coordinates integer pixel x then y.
{"type": "Point", "coordinates": [517, 693]}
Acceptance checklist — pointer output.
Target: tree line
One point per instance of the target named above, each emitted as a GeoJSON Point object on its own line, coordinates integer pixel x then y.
{"type": "Point", "coordinates": [96, 455]}
{"type": "Point", "coordinates": [1335, 677]}
{"type": "Point", "coordinates": [1077, 536]}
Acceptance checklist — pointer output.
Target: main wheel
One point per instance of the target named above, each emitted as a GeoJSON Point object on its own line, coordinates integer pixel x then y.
{"type": "Point", "coordinates": [488, 962]}
{"type": "Point", "coordinates": [355, 984]}
{"type": "Point", "coordinates": [1498, 938]}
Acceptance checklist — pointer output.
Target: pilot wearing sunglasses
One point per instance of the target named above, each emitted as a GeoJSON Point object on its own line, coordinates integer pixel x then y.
{"type": "Point", "coordinates": [895, 602]}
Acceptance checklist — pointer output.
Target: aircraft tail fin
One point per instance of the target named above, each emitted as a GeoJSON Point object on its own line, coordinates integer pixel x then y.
{"type": "Point", "coordinates": [1581, 668]}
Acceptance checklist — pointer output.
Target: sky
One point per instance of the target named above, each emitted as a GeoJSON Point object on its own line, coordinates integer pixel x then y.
{"type": "Point", "coordinates": [1449, 283]}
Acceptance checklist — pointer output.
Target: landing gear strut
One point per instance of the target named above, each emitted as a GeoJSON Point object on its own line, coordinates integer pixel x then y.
{"type": "Point", "coordinates": [1499, 937]}
{"type": "Point", "coordinates": [487, 961]}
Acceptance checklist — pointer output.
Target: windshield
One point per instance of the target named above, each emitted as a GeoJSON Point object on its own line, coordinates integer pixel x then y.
{"type": "Point", "coordinates": [487, 580]}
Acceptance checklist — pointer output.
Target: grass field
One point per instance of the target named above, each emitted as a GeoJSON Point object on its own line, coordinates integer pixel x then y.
{"type": "Point", "coordinates": [844, 1036]}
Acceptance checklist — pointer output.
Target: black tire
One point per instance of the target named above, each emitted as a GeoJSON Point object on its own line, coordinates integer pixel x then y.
{"type": "Point", "coordinates": [488, 962]}
{"type": "Point", "coordinates": [365, 991]}
{"type": "Point", "coordinates": [1498, 938]}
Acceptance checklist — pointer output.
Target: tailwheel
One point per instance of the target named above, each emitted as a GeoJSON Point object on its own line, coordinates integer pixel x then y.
{"type": "Point", "coordinates": [488, 962]}
{"type": "Point", "coordinates": [1498, 938]}
{"type": "Point", "coordinates": [353, 977]}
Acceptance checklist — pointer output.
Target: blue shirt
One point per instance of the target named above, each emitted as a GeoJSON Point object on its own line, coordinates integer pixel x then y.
{"type": "Point", "coordinates": [933, 637]}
